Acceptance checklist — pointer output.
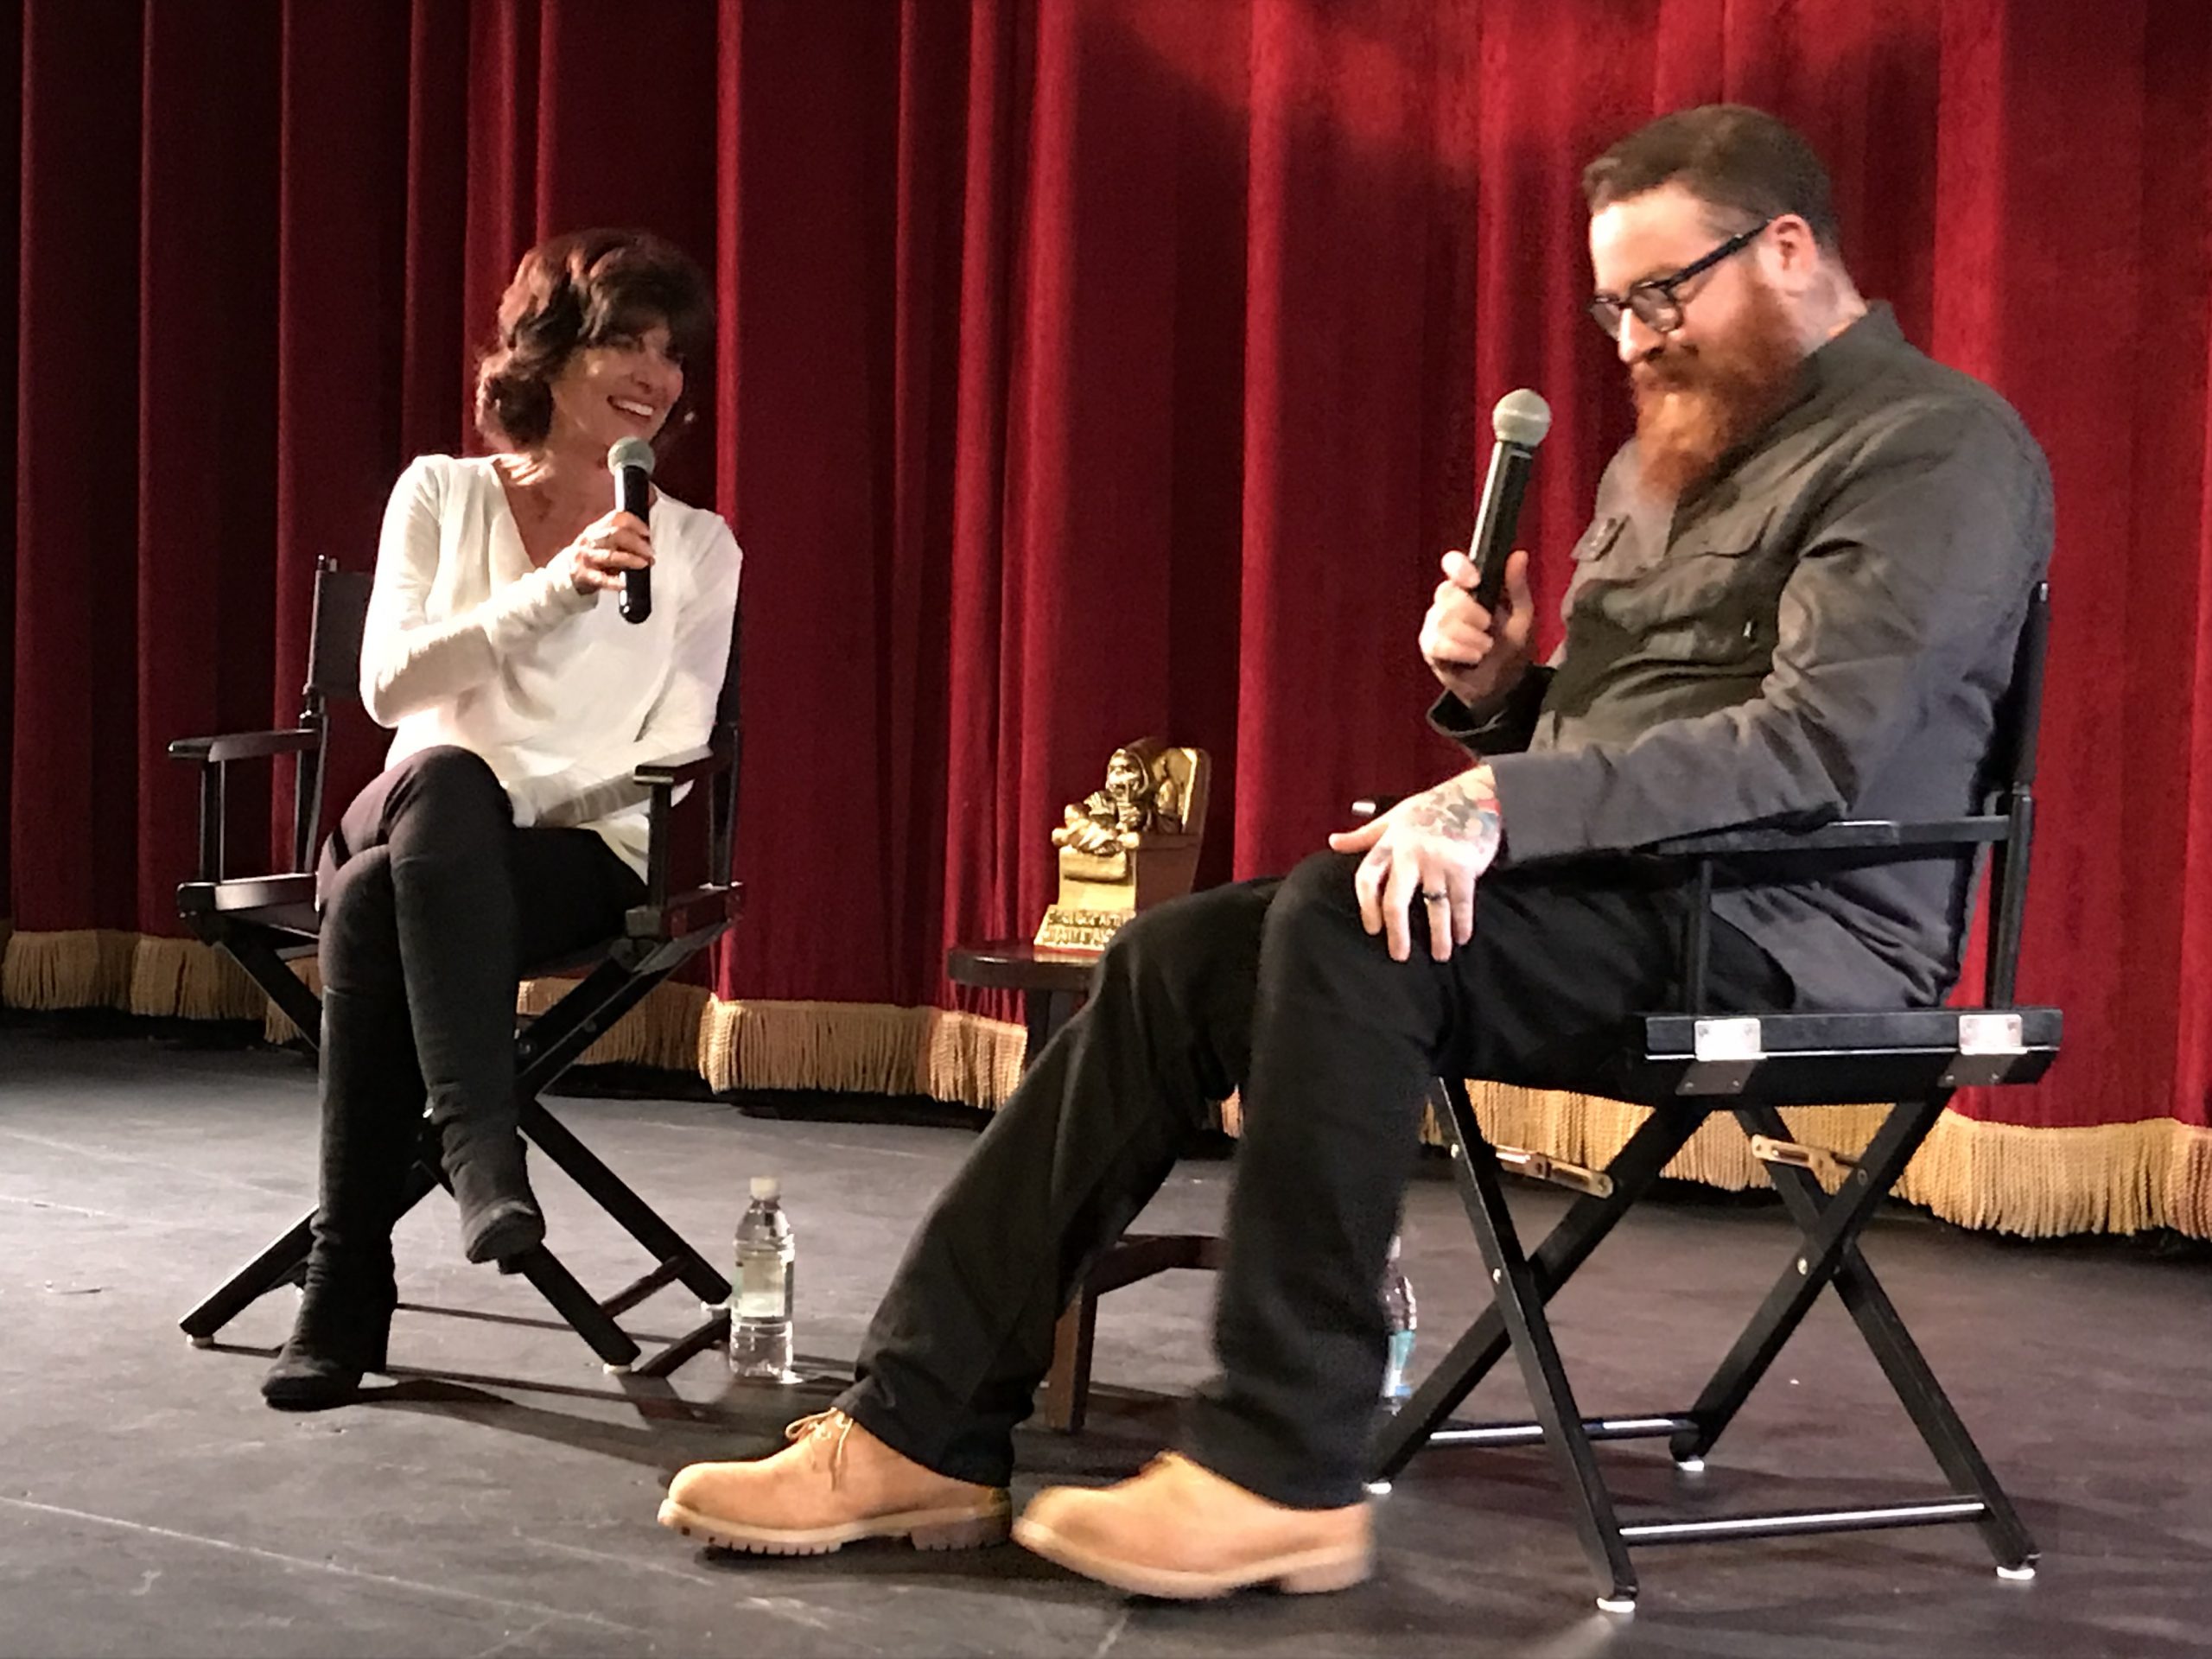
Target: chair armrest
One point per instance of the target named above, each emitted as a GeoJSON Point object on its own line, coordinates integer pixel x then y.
{"type": "Point", "coordinates": [691, 764]}
{"type": "Point", "coordinates": [716, 763]}
{"type": "Point", "coordinates": [693, 910]}
{"type": "Point", "coordinates": [1849, 835]}
{"type": "Point", "coordinates": [243, 746]}
{"type": "Point", "coordinates": [214, 754]}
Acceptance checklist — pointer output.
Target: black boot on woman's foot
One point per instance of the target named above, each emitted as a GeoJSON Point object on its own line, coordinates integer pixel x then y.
{"type": "Point", "coordinates": [501, 1231]}
{"type": "Point", "coordinates": [499, 1217]}
{"type": "Point", "coordinates": [340, 1333]}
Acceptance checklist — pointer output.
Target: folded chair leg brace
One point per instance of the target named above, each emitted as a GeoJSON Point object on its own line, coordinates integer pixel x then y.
{"type": "Point", "coordinates": [1828, 1254]}
{"type": "Point", "coordinates": [546, 1050]}
{"type": "Point", "coordinates": [1977, 1494]}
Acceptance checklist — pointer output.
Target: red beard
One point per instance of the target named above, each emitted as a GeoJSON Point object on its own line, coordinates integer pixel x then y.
{"type": "Point", "coordinates": [1694, 404]}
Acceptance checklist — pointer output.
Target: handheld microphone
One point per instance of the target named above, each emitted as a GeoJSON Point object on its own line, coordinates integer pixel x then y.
{"type": "Point", "coordinates": [630, 460]}
{"type": "Point", "coordinates": [1519, 421]}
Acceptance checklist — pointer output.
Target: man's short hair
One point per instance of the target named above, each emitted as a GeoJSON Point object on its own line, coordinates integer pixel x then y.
{"type": "Point", "coordinates": [1731, 156]}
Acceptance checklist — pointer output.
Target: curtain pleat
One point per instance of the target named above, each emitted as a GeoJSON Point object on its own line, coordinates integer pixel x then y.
{"type": "Point", "coordinates": [73, 735]}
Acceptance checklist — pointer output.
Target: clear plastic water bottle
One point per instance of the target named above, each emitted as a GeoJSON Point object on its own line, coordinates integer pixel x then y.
{"type": "Point", "coordinates": [1398, 1309]}
{"type": "Point", "coordinates": [760, 1302]}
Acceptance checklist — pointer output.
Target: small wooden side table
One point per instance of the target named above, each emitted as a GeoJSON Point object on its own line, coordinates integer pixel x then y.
{"type": "Point", "coordinates": [1051, 983]}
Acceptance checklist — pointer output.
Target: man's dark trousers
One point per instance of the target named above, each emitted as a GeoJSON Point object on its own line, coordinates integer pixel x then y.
{"type": "Point", "coordinates": [1272, 988]}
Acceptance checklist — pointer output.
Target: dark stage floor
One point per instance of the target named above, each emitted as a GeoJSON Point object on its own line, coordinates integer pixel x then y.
{"type": "Point", "coordinates": [499, 1498]}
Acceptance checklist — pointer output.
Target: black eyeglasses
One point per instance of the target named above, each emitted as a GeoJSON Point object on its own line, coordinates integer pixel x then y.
{"type": "Point", "coordinates": [1656, 302]}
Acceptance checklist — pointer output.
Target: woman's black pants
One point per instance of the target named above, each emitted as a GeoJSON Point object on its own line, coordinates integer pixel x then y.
{"type": "Point", "coordinates": [433, 907]}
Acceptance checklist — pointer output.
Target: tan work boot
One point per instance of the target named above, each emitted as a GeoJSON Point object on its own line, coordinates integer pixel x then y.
{"type": "Point", "coordinates": [1182, 1531]}
{"type": "Point", "coordinates": [835, 1483]}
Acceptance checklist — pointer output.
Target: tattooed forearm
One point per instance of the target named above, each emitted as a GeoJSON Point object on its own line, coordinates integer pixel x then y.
{"type": "Point", "coordinates": [1465, 808]}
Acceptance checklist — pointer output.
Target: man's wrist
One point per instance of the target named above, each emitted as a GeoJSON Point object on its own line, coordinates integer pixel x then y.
{"type": "Point", "coordinates": [1465, 808]}
{"type": "Point", "coordinates": [1483, 783]}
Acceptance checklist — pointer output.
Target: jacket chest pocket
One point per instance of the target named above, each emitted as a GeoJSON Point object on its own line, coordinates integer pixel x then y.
{"type": "Point", "coordinates": [1714, 598]}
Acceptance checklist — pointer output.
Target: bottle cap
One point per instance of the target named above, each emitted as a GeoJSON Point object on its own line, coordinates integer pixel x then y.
{"type": "Point", "coordinates": [767, 1187]}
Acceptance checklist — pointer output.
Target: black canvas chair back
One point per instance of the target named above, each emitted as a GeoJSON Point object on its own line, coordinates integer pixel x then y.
{"type": "Point", "coordinates": [264, 920]}
{"type": "Point", "coordinates": [2011, 795]}
{"type": "Point", "coordinates": [275, 911]}
{"type": "Point", "coordinates": [341, 610]}
{"type": "Point", "coordinates": [1689, 1063]}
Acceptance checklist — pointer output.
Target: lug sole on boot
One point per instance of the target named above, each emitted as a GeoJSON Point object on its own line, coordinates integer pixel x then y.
{"type": "Point", "coordinates": [319, 1392]}
{"type": "Point", "coordinates": [315, 1386]}
{"type": "Point", "coordinates": [512, 1227]}
{"type": "Point", "coordinates": [1295, 1572]}
{"type": "Point", "coordinates": [966, 1527]}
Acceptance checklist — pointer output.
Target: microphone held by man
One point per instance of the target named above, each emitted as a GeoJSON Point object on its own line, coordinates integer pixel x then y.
{"type": "Point", "coordinates": [1476, 645]}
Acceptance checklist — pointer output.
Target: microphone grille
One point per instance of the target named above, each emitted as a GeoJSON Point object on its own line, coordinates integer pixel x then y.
{"type": "Point", "coordinates": [636, 452]}
{"type": "Point", "coordinates": [1521, 417]}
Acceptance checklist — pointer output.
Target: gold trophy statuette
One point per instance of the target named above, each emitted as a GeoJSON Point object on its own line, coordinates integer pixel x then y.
{"type": "Point", "coordinates": [1130, 843]}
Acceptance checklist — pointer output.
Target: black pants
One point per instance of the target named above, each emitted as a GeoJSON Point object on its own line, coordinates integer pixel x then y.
{"type": "Point", "coordinates": [434, 905]}
{"type": "Point", "coordinates": [1274, 988]}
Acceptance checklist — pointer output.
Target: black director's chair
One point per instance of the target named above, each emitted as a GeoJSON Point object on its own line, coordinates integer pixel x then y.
{"type": "Point", "coordinates": [1689, 1063]}
{"type": "Point", "coordinates": [263, 921]}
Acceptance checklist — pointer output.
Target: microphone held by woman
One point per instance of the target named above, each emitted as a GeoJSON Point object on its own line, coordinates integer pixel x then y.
{"type": "Point", "coordinates": [630, 460]}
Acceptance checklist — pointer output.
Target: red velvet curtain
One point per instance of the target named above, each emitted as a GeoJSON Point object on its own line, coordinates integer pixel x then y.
{"type": "Point", "coordinates": [1090, 367]}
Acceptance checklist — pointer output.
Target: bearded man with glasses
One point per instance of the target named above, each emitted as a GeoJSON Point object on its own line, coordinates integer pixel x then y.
{"type": "Point", "coordinates": [1798, 600]}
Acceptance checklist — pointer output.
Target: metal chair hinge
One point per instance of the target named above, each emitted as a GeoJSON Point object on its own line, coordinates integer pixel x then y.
{"type": "Point", "coordinates": [1726, 1052]}
{"type": "Point", "coordinates": [1542, 1167]}
{"type": "Point", "coordinates": [1830, 1168]}
{"type": "Point", "coordinates": [1988, 1045]}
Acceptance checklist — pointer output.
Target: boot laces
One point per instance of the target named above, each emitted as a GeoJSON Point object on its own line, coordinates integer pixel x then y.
{"type": "Point", "coordinates": [832, 1426]}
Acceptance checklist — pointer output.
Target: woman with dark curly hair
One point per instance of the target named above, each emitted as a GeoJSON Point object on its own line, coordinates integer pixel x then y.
{"type": "Point", "coordinates": [503, 831]}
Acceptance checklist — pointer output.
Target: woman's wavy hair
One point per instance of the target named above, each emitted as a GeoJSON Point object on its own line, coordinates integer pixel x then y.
{"type": "Point", "coordinates": [586, 289]}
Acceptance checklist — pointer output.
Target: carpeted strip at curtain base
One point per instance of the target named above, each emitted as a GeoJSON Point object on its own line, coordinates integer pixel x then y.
{"type": "Point", "coordinates": [85, 968]}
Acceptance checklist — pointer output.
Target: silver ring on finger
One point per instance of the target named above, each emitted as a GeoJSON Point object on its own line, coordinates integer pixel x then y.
{"type": "Point", "coordinates": [1434, 897]}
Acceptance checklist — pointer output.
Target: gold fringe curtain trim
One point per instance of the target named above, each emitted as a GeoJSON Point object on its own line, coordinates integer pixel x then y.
{"type": "Point", "coordinates": [2041, 1182]}
{"type": "Point", "coordinates": [195, 981]}
{"type": "Point", "coordinates": [1585, 1129]}
{"type": "Point", "coordinates": [862, 1047]}
{"type": "Point", "coordinates": [134, 972]}
{"type": "Point", "coordinates": [662, 1031]}
{"type": "Point", "coordinates": [2014, 1177]}
{"type": "Point", "coordinates": [2118, 1178]}
{"type": "Point", "coordinates": [276, 1026]}
{"type": "Point", "coordinates": [87, 968]}
{"type": "Point", "coordinates": [2038, 1182]}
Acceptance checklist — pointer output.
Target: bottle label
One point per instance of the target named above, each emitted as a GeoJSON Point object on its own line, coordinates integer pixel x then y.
{"type": "Point", "coordinates": [1396, 1385]}
{"type": "Point", "coordinates": [760, 1281]}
